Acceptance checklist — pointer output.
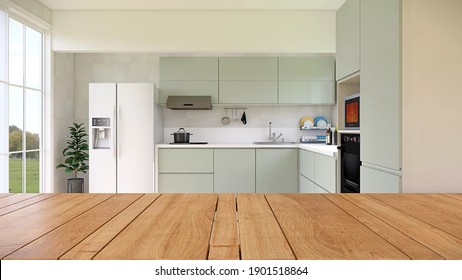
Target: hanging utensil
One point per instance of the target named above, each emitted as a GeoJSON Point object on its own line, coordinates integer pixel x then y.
{"type": "Point", "coordinates": [225, 120]}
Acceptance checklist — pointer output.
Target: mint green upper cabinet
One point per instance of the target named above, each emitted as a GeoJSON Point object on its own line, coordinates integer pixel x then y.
{"type": "Point", "coordinates": [188, 68]}
{"type": "Point", "coordinates": [248, 80]}
{"type": "Point", "coordinates": [381, 83]}
{"type": "Point", "coordinates": [306, 80]}
{"type": "Point", "coordinates": [348, 39]}
{"type": "Point", "coordinates": [188, 76]}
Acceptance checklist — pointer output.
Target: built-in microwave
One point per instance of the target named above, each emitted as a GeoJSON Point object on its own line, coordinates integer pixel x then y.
{"type": "Point", "coordinates": [352, 112]}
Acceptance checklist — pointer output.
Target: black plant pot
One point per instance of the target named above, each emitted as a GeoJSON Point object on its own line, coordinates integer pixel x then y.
{"type": "Point", "coordinates": [75, 185]}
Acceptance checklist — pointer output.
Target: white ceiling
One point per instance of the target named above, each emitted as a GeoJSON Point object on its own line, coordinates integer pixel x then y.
{"type": "Point", "coordinates": [192, 4]}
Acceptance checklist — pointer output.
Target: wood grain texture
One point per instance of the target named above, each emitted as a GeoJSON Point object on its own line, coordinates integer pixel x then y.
{"type": "Point", "coordinates": [3, 195]}
{"type": "Point", "coordinates": [224, 243]}
{"type": "Point", "coordinates": [12, 199]}
{"type": "Point", "coordinates": [58, 241]}
{"type": "Point", "coordinates": [431, 237]}
{"type": "Point", "coordinates": [24, 203]}
{"type": "Point", "coordinates": [317, 229]}
{"type": "Point", "coordinates": [27, 224]}
{"type": "Point", "coordinates": [406, 244]}
{"type": "Point", "coordinates": [261, 237]}
{"type": "Point", "coordinates": [175, 226]}
{"type": "Point", "coordinates": [457, 196]}
{"type": "Point", "coordinates": [91, 245]}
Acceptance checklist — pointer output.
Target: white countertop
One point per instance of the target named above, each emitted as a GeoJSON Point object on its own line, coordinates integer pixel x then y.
{"type": "Point", "coordinates": [329, 150]}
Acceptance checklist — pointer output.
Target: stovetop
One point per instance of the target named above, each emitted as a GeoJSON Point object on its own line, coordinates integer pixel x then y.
{"type": "Point", "coordinates": [190, 143]}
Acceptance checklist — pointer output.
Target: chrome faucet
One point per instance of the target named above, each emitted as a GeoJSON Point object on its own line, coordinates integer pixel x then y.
{"type": "Point", "coordinates": [272, 136]}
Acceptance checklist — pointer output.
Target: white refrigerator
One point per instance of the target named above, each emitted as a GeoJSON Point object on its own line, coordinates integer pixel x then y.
{"type": "Point", "coordinates": [125, 124]}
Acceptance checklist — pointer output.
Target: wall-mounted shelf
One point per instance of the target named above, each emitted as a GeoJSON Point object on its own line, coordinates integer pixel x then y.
{"type": "Point", "coordinates": [312, 128]}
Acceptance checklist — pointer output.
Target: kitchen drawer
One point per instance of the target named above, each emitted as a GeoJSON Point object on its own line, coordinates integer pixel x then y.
{"type": "Point", "coordinates": [325, 172]}
{"type": "Point", "coordinates": [318, 189]}
{"type": "Point", "coordinates": [306, 185]}
{"type": "Point", "coordinates": [185, 183]}
{"type": "Point", "coordinates": [307, 164]}
{"type": "Point", "coordinates": [185, 161]}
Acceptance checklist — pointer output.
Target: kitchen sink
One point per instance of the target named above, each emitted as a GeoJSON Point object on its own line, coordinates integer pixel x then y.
{"type": "Point", "coordinates": [274, 143]}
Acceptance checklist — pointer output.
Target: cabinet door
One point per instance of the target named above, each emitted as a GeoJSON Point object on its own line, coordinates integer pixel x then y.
{"type": "Point", "coordinates": [347, 39]}
{"type": "Point", "coordinates": [234, 170]}
{"type": "Point", "coordinates": [307, 164]}
{"type": "Point", "coordinates": [306, 185]}
{"type": "Point", "coordinates": [306, 68]}
{"type": "Point", "coordinates": [254, 92]}
{"type": "Point", "coordinates": [306, 92]}
{"type": "Point", "coordinates": [276, 170]}
{"type": "Point", "coordinates": [325, 172]}
{"type": "Point", "coordinates": [375, 181]}
{"type": "Point", "coordinates": [318, 189]}
{"type": "Point", "coordinates": [248, 68]}
{"type": "Point", "coordinates": [188, 68]}
{"type": "Point", "coordinates": [381, 83]}
{"type": "Point", "coordinates": [185, 161]}
{"type": "Point", "coordinates": [185, 183]}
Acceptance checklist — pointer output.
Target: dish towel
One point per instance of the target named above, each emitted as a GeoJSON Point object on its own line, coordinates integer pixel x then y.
{"type": "Point", "coordinates": [243, 118]}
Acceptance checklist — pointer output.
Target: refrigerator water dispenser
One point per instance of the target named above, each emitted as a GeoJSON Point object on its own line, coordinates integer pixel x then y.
{"type": "Point", "coordinates": [101, 133]}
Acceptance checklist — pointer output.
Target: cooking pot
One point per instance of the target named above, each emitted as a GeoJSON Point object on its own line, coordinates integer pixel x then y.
{"type": "Point", "coordinates": [181, 136]}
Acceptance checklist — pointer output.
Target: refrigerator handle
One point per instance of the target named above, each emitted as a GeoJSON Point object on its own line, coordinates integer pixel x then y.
{"type": "Point", "coordinates": [114, 133]}
{"type": "Point", "coordinates": [119, 130]}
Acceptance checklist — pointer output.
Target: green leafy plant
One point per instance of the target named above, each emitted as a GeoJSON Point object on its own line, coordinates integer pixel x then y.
{"type": "Point", "coordinates": [76, 152]}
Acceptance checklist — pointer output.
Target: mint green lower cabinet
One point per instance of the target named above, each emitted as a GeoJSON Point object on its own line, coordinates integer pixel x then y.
{"type": "Point", "coordinates": [185, 160]}
{"type": "Point", "coordinates": [234, 171]}
{"type": "Point", "coordinates": [307, 164]}
{"type": "Point", "coordinates": [306, 92]}
{"type": "Point", "coordinates": [305, 185]}
{"type": "Point", "coordinates": [185, 183]}
{"type": "Point", "coordinates": [318, 189]}
{"type": "Point", "coordinates": [276, 170]}
{"type": "Point", "coordinates": [188, 88]}
{"type": "Point", "coordinates": [248, 92]}
{"type": "Point", "coordinates": [325, 172]}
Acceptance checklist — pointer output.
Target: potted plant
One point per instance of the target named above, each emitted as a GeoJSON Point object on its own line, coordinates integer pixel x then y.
{"type": "Point", "coordinates": [76, 157]}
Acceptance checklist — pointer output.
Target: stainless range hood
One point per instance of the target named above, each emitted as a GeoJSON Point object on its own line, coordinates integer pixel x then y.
{"type": "Point", "coordinates": [189, 102]}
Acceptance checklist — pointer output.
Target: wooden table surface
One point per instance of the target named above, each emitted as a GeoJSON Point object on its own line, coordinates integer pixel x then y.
{"type": "Point", "coordinates": [229, 226]}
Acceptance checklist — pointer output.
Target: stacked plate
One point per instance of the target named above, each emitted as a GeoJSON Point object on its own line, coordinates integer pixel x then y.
{"type": "Point", "coordinates": [307, 122]}
{"type": "Point", "coordinates": [320, 122]}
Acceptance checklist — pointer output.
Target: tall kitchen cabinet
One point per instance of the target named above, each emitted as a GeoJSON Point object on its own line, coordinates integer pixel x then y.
{"type": "Point", "coordinates": [380, 96]}
{"type": "Point", "coordinates": [188, 76]}
{"type": "Point", "coordinates": [124, 127]}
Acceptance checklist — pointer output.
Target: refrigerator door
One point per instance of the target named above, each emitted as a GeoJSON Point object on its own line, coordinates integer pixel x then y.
{"type": "Point", "coordinates": [135, 138]}
{"type": "Point", "coordinates": [102, 162]}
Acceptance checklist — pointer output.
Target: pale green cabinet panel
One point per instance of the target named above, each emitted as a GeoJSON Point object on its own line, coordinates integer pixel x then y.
{"type": "Point", "coordinates": [188, 88]}
{"type": "Point", "coordinates": [248, 68]}
{"type": "Point", "coordinates": [188, 68]}
{"type": "Point", "coordinates": [234, 171]}
{"type": "Point", "coordinates": [325, 172]}
{"type": "Point", "coordinates": [276, 170]}
{"type": "Point", "coordinates": [375, 181]}
{"type": "Point", "coordinates": [185, 161]}
{"type": "Point", "coordinates": [249, 92]}
{"type": "Point", "coordinates": [306, 92]}
{"type": "Point", "coordinates": [347, 39]}
{"type": "Point", "coordinates": [185, 183]}
{"type": "Point", "coordinates": [306, 185]}
{"type": "Point", "coordinates": [381, 83]}
{"type": "Point", "coordinates": [306, 68]}
{"type": "Point", "coordinates": [307, 164]}
{"type": "Point", "coordinates": [318, 189]}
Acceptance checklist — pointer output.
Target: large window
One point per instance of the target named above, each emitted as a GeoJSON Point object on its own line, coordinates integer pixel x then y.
{"type": "Point", "coordinates": [21, 100]}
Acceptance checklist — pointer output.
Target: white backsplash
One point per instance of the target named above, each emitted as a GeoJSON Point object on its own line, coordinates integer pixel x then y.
{"type": "Point", "coordinates": [206, 125]}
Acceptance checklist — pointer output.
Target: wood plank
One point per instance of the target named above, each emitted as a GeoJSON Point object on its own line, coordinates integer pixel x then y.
{"type": "Point", "coordinates": [395, 237]}
{"type": "Point", "coordinates": [24, 203]}
{"type": "Point", "coordinates": [224, 243]}
{"type": "Point", "coordinates": [317, 229]}
{"type": "Point", "coordinates": [91, 245]}
{"type": "Point", "coordinates": [21, 227]}
{"type": "Point", "coordinates": [3, 195]}
{"type": "Point", "coordinates": [175, 226]}
{"type": "Point", "coordinates": [440, 242]}
{"type": "Point", "coordinates": [260, 236]}
{"type": "Point", "coordinates": [441, 214]}
{"type": "Point", "coordinates": [457, 196]}
{"type": "Point", "coordinates": [12, 199]}
{"type": "Point", "coordinates": [55, 243]}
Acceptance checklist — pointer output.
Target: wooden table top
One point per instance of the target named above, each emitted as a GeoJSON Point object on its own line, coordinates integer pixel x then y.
{"type": "Point", "coordinates": [229, 226]}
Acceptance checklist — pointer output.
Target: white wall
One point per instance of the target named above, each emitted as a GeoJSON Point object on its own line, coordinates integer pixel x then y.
{"type": "Point", "coordinates": [36, 8]}
{"type": "Point", "coordinates": [432, 99]}
{"type": "Point", "coordinates": [198, 31]}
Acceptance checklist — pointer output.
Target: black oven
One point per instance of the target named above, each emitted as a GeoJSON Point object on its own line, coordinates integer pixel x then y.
{"type": "Point", "coordinates": [349, 163]}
